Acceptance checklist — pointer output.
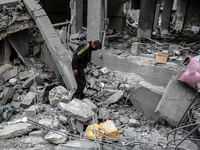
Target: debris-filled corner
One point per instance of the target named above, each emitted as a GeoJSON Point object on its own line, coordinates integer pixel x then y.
{"type": "Point", "coordinates": [142, 86]}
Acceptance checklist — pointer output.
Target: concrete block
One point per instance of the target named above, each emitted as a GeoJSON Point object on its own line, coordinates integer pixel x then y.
{"type": "Point", "coordinates": [15, 130]}
{"type": "Point", "coordinates": [28, 100]}
{"type": "Point", "coordinates": [25, 75]}
{"type": "Point", "coordinates": [78, 109]}
{"type": "Point", "coordinates": [32, 110]}
{"type": "Point", "coordinates": [55, 138]}
{"type": "Point", "coordinates": [7, 95]}
{"type": "Point", "coordinates": [9, 74]}
{"type": "Point", "coordinates": [59, 94]}
{"type": "Point", "coordinates": [12, 81]}
{"type": "Point", "coordinates": [145, 97]}
{"type": "Point", "coordinates": [115, 97]}
{"type": "Point", "coordinates": [29, 81]}
{"type": "Point", "coordinates": [79, 126]}
{"type": "Point", "coordinates": [175, 100]}
{"type": "Point", "coordinates": [135, 49]}
{"type": "Point", "coordinates": [134, 123]}
{"type": "Point", "coordinates": [16, 104]}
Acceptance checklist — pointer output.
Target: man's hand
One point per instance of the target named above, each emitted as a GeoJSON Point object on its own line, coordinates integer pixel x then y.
{"type": "Point", "coordinates": [75, 71]}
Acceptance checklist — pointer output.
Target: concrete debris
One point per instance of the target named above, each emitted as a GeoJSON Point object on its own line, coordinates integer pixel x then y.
{"type": "Point", "coordinates": [115, 97]}
{"type": "Point", "coordinates": [15, 130]}
{"type": "Point", "coordinates": [137, 88]}
{"type": "Point", "coordinates": [78, 109]}
{"type": "Point", "coordinates": [55, 138]}
{"type": "Point", "coordinates": [59, 94]}
{"type": "Point", "coordinates": [28, 100]}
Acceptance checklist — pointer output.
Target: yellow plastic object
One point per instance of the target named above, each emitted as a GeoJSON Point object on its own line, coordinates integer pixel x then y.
{"type": "Point", "coordinates": [89, 133]}
{"type": "Point", "coordinates": [109, 129]}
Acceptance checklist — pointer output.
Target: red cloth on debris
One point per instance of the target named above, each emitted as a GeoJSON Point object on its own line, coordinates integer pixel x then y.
{"type": "Point", "coordinates": [191, 75]}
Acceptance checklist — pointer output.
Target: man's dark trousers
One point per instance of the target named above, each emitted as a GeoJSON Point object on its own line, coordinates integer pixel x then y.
{"type": "Point", "coordinates": [81, 82]}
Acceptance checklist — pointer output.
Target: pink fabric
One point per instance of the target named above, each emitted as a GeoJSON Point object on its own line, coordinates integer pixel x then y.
{"type": "Point", "coordinates": [191, 75]}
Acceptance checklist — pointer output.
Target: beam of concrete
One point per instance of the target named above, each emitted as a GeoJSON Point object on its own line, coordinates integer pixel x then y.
{"type": "Point", "coordinates": [146, 20]}
{"type": "Point", "coordinates": [166, 16]}
{"type": "Point", "coordinates": [61, 56]}
{"type": "Point", "coordinates": [175, 100]}
{"type": "Point", "coordinates": [94, 20]}
{"type": "Point", "coordinates": [180, 18]}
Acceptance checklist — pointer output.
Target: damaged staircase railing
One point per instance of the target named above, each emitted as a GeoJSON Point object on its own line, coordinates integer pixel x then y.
{"type": "Point", "coordinates": [183, 118]}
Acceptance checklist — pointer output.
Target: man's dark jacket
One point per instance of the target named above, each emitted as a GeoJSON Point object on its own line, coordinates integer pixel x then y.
{"type": "Point", "coordinates": [82, 55]}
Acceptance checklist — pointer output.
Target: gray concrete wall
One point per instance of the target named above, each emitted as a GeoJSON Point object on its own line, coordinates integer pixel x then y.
{"type": "Point", "coordinates": [155, 76]}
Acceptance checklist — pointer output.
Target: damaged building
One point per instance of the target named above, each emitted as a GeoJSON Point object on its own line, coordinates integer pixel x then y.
{"type": "Point", "coordinates": [142, 86]}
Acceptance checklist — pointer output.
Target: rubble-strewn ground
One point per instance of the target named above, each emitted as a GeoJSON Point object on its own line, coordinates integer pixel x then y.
{"type": "Point", "coordinates": [45, 100]}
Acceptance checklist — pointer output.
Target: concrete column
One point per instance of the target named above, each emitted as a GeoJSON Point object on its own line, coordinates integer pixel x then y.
{"type": "Point", "coordinates": [180, 17]}
{"type": "Point", "coordinates": [156, 18]}
{"type": "Point", "coordinates": [146, 19]}
{"type": "Point", "coordinates": [94, 20]}
{"type": "Point", "coordinates": [76, 7]}
{"type": "Point", "coordinates": [166, 16]}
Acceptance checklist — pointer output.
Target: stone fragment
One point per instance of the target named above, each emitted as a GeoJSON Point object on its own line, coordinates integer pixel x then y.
{"type": "Point", "coordinates": [79, 126]}
{"type": "Point", "coordinates": [15, 130]}
{"type": "Point", "coordinates": [7, 95]}
{"type": "Point", "coordinates": [12, 81]}
{"type": "Point", "coordinates": [55, 138]}
{"type": "Point", "coordinates": [25, 75]}
{"type": "Point", "coordinates": [95, 73]}
{"type": "Point", "coordinates": [134, 123]}
{"type": "Point", "coordinates": [59, 94]}
{"type": "Point", "coordinates": [104, 70]}
{"type": "Point", "coordinates": [49, 123]}
{"type": "Point", "coordinates": [78, 109]}
{"type": "Point", "coordinates": [29, 81]}
{"type": "Point", "coordinates": [32, 110]}
{"type": "Point", "coordinates": [124, 120]}
{"type": "Point", "coordinates": [115, 97]}
{"type": "Point", "coordinates": [34, 141]}
{"type": "Point", "coordinates": [62, 119]}
{"type": "Point", "coordinates": [36, 133]}
{"type": "Point", "coordinates": [9, 74]}
{"type": "Point", "coordinates": [135, 48]}
{"type": "Point", "coordinates": [28, 100]}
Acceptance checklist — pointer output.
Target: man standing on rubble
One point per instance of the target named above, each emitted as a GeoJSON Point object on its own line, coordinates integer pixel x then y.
{"type": "Point", "coordinates": [79, 61]}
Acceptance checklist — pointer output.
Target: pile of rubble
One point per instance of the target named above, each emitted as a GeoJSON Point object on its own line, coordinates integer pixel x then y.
{"type": "Point", "coordinates": [57, 122]}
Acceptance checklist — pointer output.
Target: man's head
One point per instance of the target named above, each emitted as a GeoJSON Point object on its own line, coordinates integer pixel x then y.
{"type": "Point", "coordinates": [96, 45]}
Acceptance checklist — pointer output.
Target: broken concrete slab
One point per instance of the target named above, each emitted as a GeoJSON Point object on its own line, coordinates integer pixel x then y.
{"type": "Point", "coordinates": [77, 145]}
{"type": "Point", "coordinates": [175, 101]}
{"type": "Point", "coordinates": [86, 100]}
{"type": "Point", "coordinates": [115, 97]}
{"type": "Point", "coordinates": [49, 123]}
{"type": "Point", "coordinates": [25, 75]}
{"type": "Point", "coordinates": [55, 138]}
{"type": "Point", "coordinates": [61, 56]}
{"type": "Point", "coordinates": [28, 100]}
{"type": "Point", "coordinates": [33, 109]}
{"type": "Point", "coordinates": [59, 94]}
{"type": "Point", "coordinates": [7, 95]}
{"type": "Point", "coordinates": [29, 81]}
{"type": "Point", "coordinates": [78, 109]}
{"type": "Point", "coordinates": [15, 130]}
{"type": "Point", "coordinates": [9, 74]}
